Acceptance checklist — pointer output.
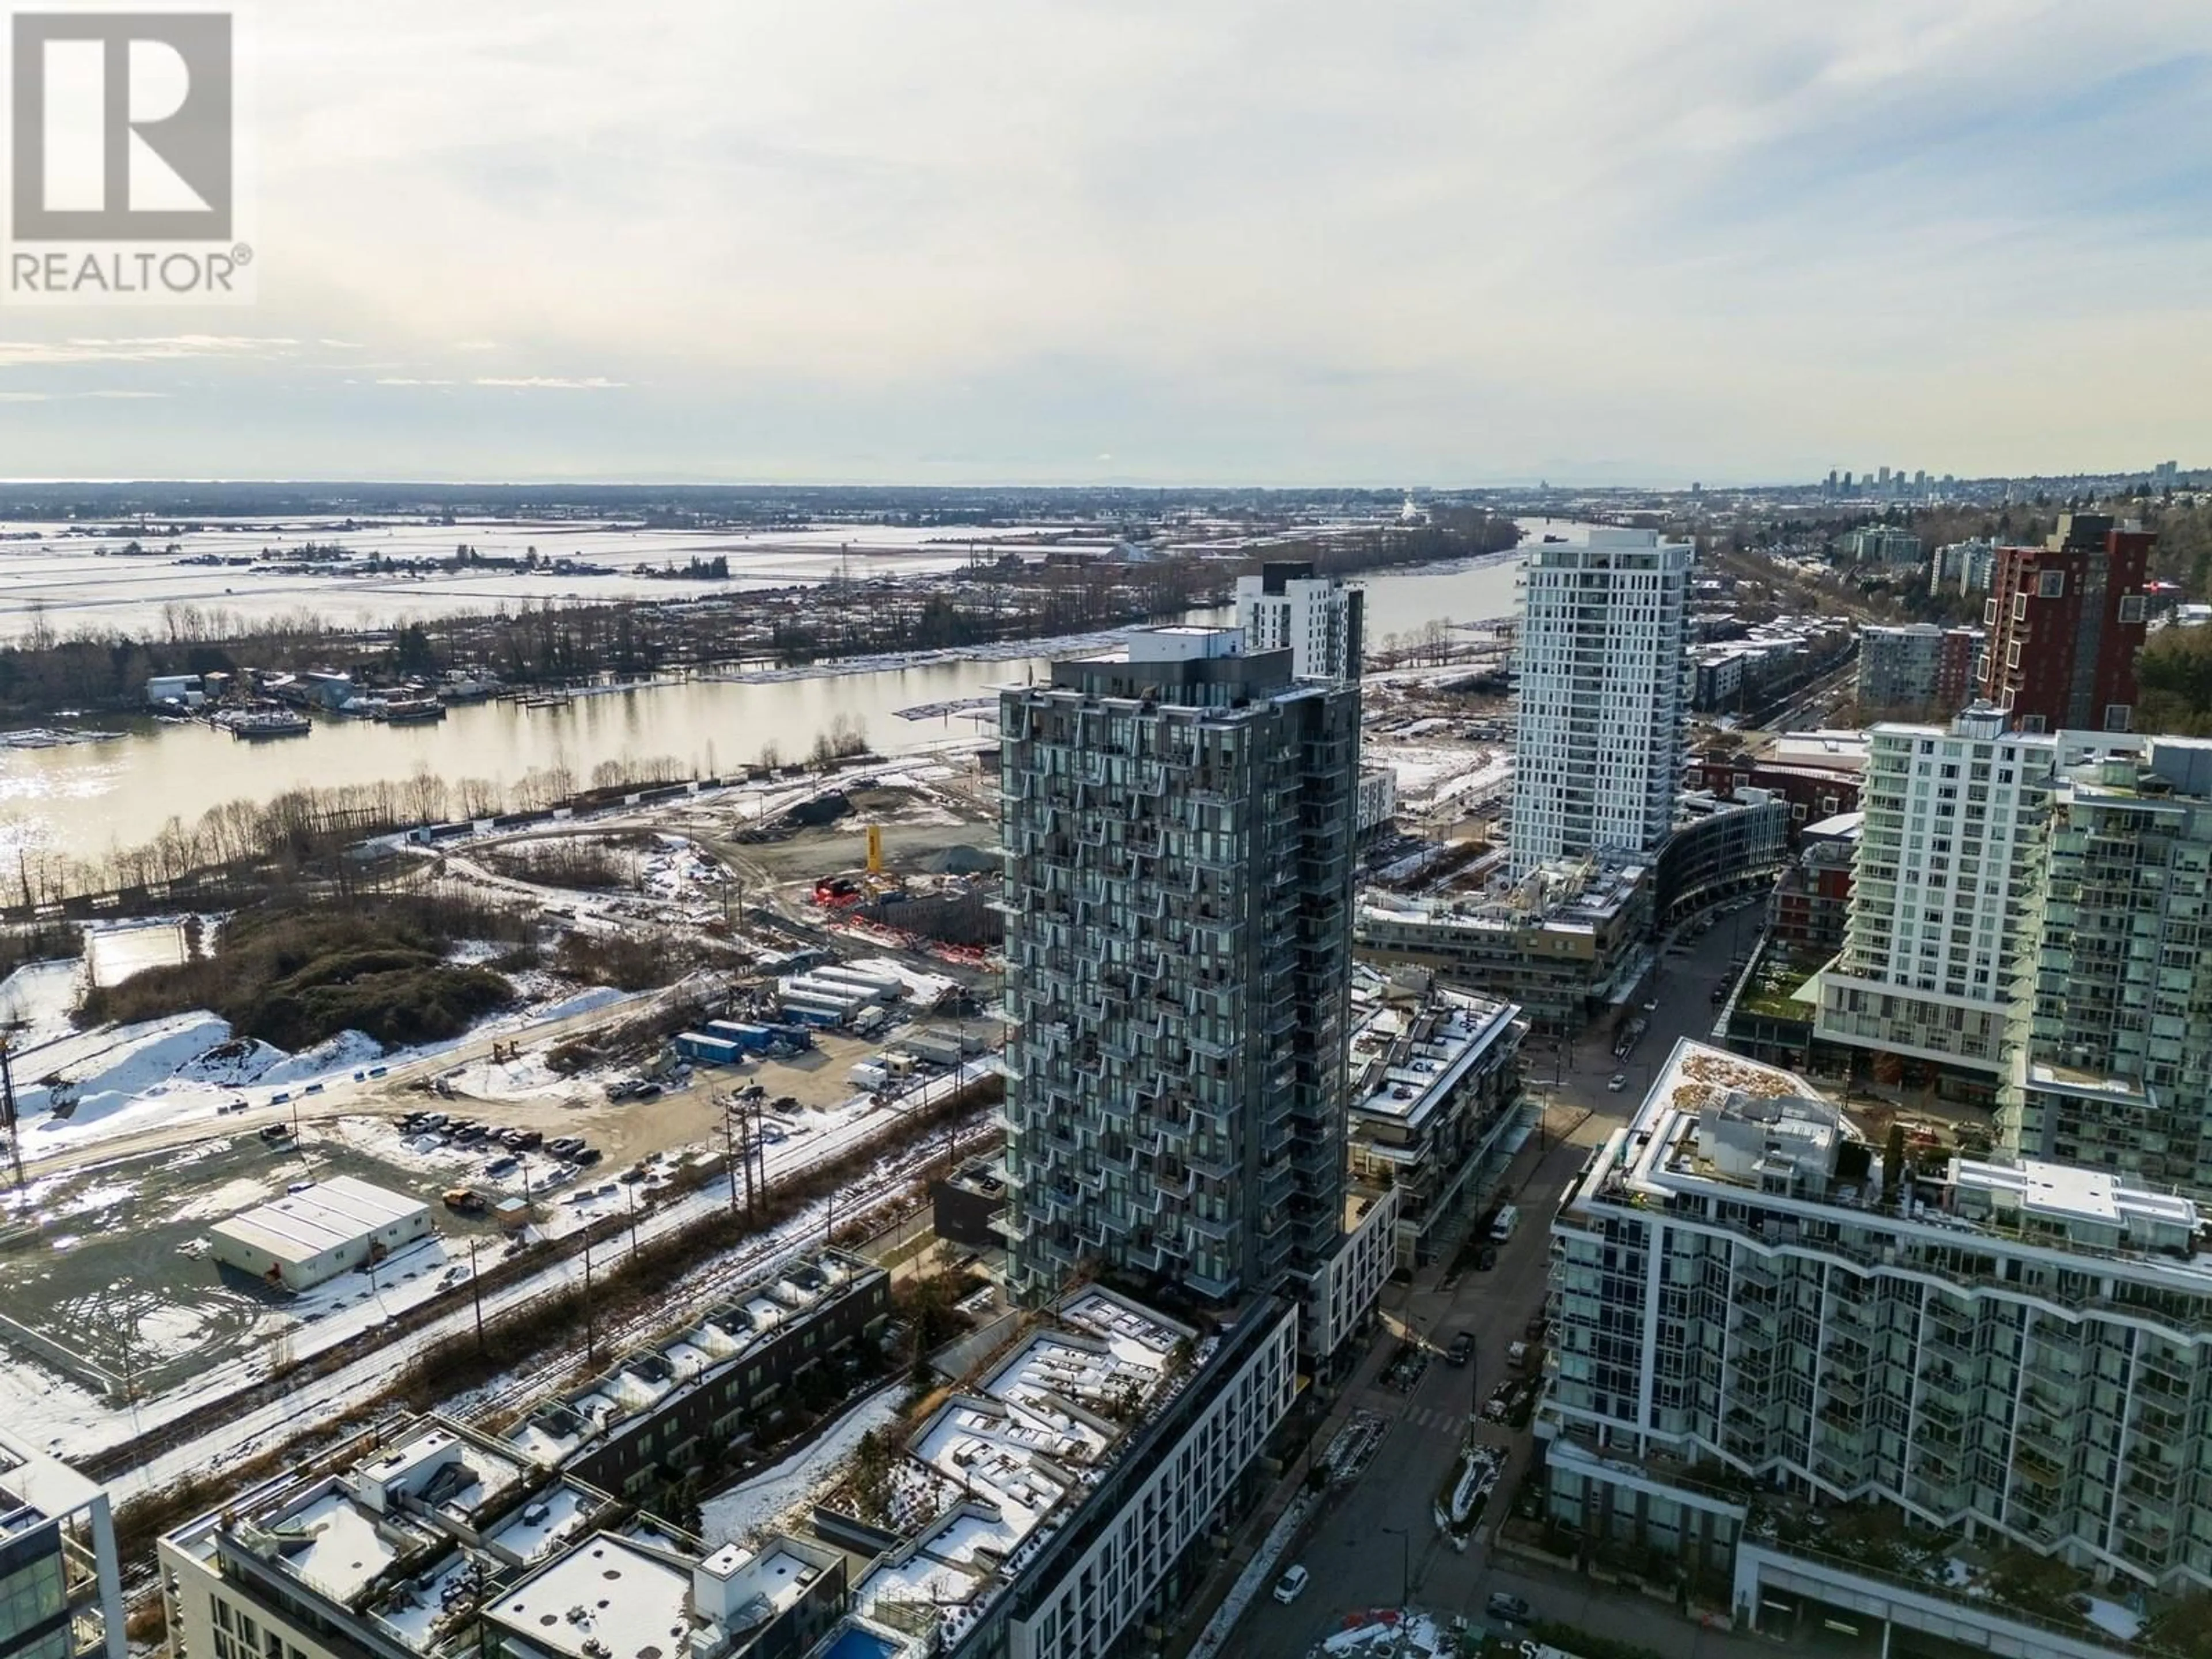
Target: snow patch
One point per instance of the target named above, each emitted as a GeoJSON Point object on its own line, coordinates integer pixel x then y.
{"type": "Point", "coordinates": [759, 1500]}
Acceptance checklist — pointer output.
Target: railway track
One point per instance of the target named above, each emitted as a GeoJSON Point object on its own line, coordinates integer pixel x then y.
{"type": "Point", "coordinates": [219, 1434]}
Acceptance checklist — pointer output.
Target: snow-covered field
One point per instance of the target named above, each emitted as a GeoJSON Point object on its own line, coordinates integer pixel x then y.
{"type": "Point", "coordinates": [1432, 774]}
{"type": "Point", "coordinates": [92, 577]}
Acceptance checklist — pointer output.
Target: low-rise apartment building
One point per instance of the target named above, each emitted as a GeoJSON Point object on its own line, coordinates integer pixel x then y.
{"type": "Point", "coordinates": [436, 1542]}
{"type": "Point", "coordinates": [1565, 942]}
{"type": "Point", "coordinates": [1086, 1471]}
{"type": "Point", "coordinates": [1723, 847]}
{"type": "Point", "coordinates": [710, 1389]}
{"type": "Point", "coordinates": [1436, 1089]}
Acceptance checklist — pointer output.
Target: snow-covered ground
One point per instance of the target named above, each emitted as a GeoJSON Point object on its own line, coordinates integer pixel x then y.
{"type": "Point", "coordinates": [1418, 1638]}
{"type": "Point", "coordinates": [35, 1001]}
{"type": "Point", "coordinates": [757, 1502]}
{"type": "Point", "coordinates": [75, 1088]}
{"type": "Point", "coordinates": [1430, 773]}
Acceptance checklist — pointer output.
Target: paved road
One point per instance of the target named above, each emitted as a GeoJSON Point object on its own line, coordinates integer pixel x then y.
{"type": "Point", "coordinates": [1682, 984]}
{"type": "Point", "coordinates": [1377, 1535]}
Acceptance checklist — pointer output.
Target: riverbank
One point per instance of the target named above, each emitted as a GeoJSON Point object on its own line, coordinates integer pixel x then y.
{"type": "Point", "coordinates": [87, 800]}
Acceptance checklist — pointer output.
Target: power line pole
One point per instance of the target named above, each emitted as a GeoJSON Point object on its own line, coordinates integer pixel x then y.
{"type": "Point", "coordinates": [8, 1118]}
{"type": "Point", "coordinates": [475, 1288]}
{"type": "Point", "coordinates": [730, 1139]}
{"type": "Point", "coordinates": [590, 1325]}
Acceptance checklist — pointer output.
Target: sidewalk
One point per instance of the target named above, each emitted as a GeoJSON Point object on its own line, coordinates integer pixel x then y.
{"type": "Point", "coordinates": [1253, 1532]}
{"type": "Point", "coordinates": [1352, 1393]}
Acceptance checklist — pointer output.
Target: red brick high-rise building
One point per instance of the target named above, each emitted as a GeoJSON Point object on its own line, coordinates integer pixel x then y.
{"type": "Point", "coordinates": [2065, 622]}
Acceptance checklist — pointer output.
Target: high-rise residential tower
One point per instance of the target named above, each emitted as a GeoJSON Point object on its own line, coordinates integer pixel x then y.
{"type": "Point", "coordinates": [1938, 889]}
{"type": "Point", "coordinates": [1177, 828]}
{"type": "Point", "coordinates": [1600, 749]}
{"type": "Point", "coordinates": [1316, 618]}
{"type": "Point", "coordinates": [2065, 621]}
{"type": "Point", "coordinates": [2112, 1019]}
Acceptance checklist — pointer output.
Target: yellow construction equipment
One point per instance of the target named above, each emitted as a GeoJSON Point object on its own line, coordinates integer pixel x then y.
{"type": "Point", "coordinates": [875, 850]}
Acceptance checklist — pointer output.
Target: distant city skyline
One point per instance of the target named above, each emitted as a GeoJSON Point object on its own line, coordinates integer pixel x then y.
{"type": "Point", "coordinates": [1245, 243]}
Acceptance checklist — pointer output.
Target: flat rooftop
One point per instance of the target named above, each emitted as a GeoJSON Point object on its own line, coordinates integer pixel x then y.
{"type": "Point", "coordinates": [1404, 1061]}
{"type": "Point", "coordinates": [610, 1598]}
{"type": "Point", "coordinates": [330, 1541]}
{"type": "Point", "coordinates": [302, 1226]}
{"type": "Point", "coordinates": [1715, 1124]}
{"type": "Point", "coordinates": [35, 1487]}
{"type": "Point", "coordinates": [1026, 1444]}
{"type": "Point", "coordinates": [1823, 751]}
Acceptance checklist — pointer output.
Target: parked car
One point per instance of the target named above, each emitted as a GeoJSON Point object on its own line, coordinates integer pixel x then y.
{"type": "Point", "coordinates": [1508, 1609]}
{"type": "Point", "coordinates": [564, 1146]}
{"type": "Point", "coordinates": [1486, 1258]}
{"type": "Point", "coordinates": [586, 1156]}
{"type": "Point", "coordinates": [523, 1141]}
{"type": "Point", "coordinates": [503, 1166]}
{"type": "Point", "coordinates": [1291, 1585]}
{"type": "Point", "coordinates": [1616, 1083]}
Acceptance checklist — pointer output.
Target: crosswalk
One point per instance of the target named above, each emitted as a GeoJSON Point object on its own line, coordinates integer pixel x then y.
{"type": "Point", "coordinates": [1435, 1422]}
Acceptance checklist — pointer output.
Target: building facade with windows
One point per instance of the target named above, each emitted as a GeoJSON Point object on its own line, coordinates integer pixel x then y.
{"type": "Point", "coordinates": [1599, 751]}
{"type": "Point", "coordinates": [732, 1376]}
{"type": "Point", "coordinates": [1723, 847]}
{"type": "Point", "coordinates": [1749, 1307]}
{"type": "Point", "coordinates": [2110, 1062]}
{"type": "Point", "coordinates": [1882, 544]}
{"type": "Point", "coordinates": [1934, 930]}
{"type": "Point", "coordinates": [1177, 825]}
{"type": "Point", "coordinates": [1317, 619]}
{"type": "Point", "coordinates": [2065, 622]}
{"type": "Point", "coordinates": [1916, 669]}
{"type": "Point", "coordinates": [1567, 942]}
{"type": "Point", "coordinates": [61, 1591]}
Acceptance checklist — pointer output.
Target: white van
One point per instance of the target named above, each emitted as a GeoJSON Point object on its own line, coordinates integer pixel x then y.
{"type": "Point", "coordinates": [1508, 1217]}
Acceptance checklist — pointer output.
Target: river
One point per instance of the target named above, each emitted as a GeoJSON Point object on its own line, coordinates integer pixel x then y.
{"type": "Point", "coordinates": [84, 799]}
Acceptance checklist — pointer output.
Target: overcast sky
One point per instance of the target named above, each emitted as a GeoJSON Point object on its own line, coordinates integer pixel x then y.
{"type": "Point", "coordinates": [1415, 241]}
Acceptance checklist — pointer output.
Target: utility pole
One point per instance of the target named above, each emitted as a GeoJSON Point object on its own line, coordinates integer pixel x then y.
{"type": "Point", "coordinates": [730, 1140]}
{"type": "Point", "coordinates": [476, 1286]}
{"type": "Point", "coordinates": [591, 1324]}
{"type": "Point", "coordinates": [8, 1118]}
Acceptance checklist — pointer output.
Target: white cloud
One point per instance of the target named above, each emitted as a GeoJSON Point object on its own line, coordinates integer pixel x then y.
{"type": "Point", "coordinates": [15, 353]}
{"type": "Point", "coordinates": [550, 383]}
{"type": "Point", "coordinates": [1257, 239]}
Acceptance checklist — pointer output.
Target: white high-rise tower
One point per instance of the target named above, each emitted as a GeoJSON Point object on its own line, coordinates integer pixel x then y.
{"type": "Point", "coordinates": [1600, 751]}
{"type": "Point", "coordinates": [1316, 618]}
